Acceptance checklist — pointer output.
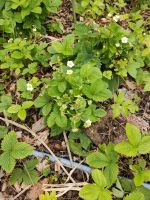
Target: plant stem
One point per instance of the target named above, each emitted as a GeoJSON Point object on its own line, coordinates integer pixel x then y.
{"type": "Point", "coordinates": [73, 9]}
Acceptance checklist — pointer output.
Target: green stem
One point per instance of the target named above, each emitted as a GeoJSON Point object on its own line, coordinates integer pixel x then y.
{"type": "Point", "coordinates": [73, 8]}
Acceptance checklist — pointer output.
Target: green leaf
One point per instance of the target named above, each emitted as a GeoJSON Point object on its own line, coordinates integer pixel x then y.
{"type": "Point", "coordinates": [41, 101]}
{"type": "Point", "coordinates": [111, 173]}
{"type": "Point", "coordinates": [139, 179]}
{"type": "Point", "coordinates": [16, 176]}
{"type": "Point", "coordinates": [89, 192]}
{"type": "Point", "coordinates": [99, 113]}
{"type": "Point", "coordinates": [30, 177]}
{"type": "Point", "coordinates": [133, 134]}
{"type": "Point", "coordinates": [105, 194]}
{"type": "Point", "coordinates": [9, 141]}
{"type": "Point", "coordinates": [126, 148]}
{"type": "Point", "coordinates": [14, 109]}
{"type": "Point", "coordinates": [27, 104]}
{"type": "Point", "coordinates": [22, 114]}
{"type": "Point", "coordinates": [37, 10]}
{"type": "Point", "coordinates": [46, 109]}
{"type": "Point", "coordinates": [144, 146]}
{"type": "Point", "coordinates": [21, 150]}
{"type": "Point", "coordinates": [47, 196]}
{"type": "Point", "coordinates": [3, 131]}
{"type": "Point", "coordinates": [51, 120]}
{"type": "Point", "coordinates": [56, 130]}
{"type": "Point", "coordinates": [62, 86]}
{"type": "Point", "coordinates": [134, 196]}
{"type": "Point", "coordinates": [99, 178]}
{"type": "Point", "coordinates": [97, 160]}
{"type": "Point", "coordinates": [52, 5]}
{"type": "Point", "coordinates": [61, 121]}
{"type": "Point", "coordinates": [7, 162]}
{"type": "Point", "coordinates": [21, 85]}
{"type": "Point", "coordinates": [97, 91]}
{"type": "Point", "coordinates": [17, 55]}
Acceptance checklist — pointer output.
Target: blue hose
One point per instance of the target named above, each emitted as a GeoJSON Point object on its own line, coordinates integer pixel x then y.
{"type": "Point", "coordinates": [69, 164]}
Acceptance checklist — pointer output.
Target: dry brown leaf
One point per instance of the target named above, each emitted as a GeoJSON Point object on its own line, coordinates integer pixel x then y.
{"type": "Point", "coordinates": [36, 190]}
{"type": "Point", "coordinates": [131, 85]}
{"type": "Point", "coordinates": [57, 167]}
{"type": "Point", "coordinates": [139, 122]}
{"type": "Point", "coordinates": [38, 125]}
{"type": "Point", "coordinates": [43, 136]}
{"type": "Point", "coordinates": [17, 187]}
{"type": "Point", "coordinates": [42, 165]}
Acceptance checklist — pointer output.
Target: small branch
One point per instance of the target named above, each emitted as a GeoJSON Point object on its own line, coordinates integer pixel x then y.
{"type": "Point", "coordinates": [68, 148]}
{"type": "Point", "coordinates": [41, 141]}
{"type": "Point", "coordinates": [20, 193]}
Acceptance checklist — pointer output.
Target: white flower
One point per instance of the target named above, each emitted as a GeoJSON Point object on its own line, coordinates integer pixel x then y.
{"type": "Point", "coordinates": [10, 40]}
{"type": "Point", "coordinates": [70, 64]}
{"type": "Point", "coordinates": [29, 87]}
{"type": "Point", "coordinates": [116, 18]}
{"type": "Point", "coordinates": [34, 29]}
{"type": "Point", "coordinates": [124, 40]}
{"type": "Point", "coordinates": [109, 15]}
{"type": "Point", "coordinates": [87, 123]}
{"type": "Point", "coordinates": [69, 72]}
{"type": "Point", "coordinates": [75, 130]}
{"type": "Point", "coordinates": [117, 44]}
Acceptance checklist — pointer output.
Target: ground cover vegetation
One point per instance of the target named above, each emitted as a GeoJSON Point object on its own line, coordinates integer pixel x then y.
{"type": "Point", "coordinates": [66, 67]}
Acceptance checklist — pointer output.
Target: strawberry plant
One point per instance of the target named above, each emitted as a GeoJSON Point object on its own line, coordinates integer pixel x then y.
{"type": "Point", "coordinates": [12, 151]}
{"type": "Point", "coordinates": [136, 143]}
{"type": "Point", "coordinates": [25, 14]}
{"type": "Point", "coordinates": [107, 159]}
{"type": "Point", "coordinates": [69, 99]}
{"type": "Point", "coordinates": [27, 175]}
{"type": "Point", "coordinates": [47, 196]}
{"type": "Point", "coordinates": [20, 110]}
{"type": "Point", "coordinates": [123, 105]}
{"type": "Point", "coordinates": [98, 190]}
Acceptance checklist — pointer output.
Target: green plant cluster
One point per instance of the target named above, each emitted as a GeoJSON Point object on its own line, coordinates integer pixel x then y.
{"type": "Point", "coordinates": [72, 82]}
{"type": "Point", "coordinates": [25, 14]}
{"type": "Point", "coordinates": [106, 159]}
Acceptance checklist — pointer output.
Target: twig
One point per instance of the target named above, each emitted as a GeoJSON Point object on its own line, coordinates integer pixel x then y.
{"type": "Point", "coordinates": [62, 189]}
{"type": "Point", "coordinates": [20, 193]}
{"type": "Point", "coordinates": [68, 148]}
{"type": "Point", "coordinates": [64, 185]}
{"type": "Point", "coordinates": [71, 172]}
{"type": "Point", "coordinates": [42, 142]}
{"type": "Point", "coordinates": [52, 38]}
